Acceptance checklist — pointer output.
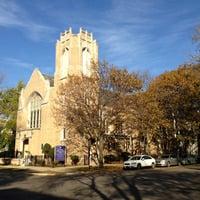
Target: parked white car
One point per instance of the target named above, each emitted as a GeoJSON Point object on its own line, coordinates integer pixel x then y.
{"type": "Point", "coordinates": [139, 161]}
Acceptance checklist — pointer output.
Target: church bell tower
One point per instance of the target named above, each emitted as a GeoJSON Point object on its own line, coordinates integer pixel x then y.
{"type": "Point", "coordinates": [74, 54]}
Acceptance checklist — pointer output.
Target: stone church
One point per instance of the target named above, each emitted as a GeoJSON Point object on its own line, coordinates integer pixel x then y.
{"type": "Point", "coordinates": [35, 122]}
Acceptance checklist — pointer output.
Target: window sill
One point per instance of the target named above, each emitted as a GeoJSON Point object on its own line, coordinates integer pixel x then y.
{"type": "Point", "coordinates": [28, 129]}
{"type": "Point", "coordinates": [33, 129]}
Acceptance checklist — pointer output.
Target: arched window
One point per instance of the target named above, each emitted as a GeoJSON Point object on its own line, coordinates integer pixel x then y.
{"type": "Point", "coordinates": [64, 63]}
{"type": "Point", "coordinates": [35, 110]}
{"type": "Point", "coordinates": [86, 59]}
{"type": "Point", "coordinates": [64, 134]}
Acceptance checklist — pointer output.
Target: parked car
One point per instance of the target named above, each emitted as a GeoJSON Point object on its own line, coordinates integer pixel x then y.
{"type": "Point", "coordinates": [167, 160]}
{"type": "Point", "coordinates": [139, 161]}
{"type": "Point", "coordinates": [188, 160]}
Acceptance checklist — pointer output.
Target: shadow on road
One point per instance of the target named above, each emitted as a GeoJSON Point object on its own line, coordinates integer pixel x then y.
{"type": "Point", "coordinates": [11, 175]}
{"type": "Point", "coordinates": [19, 194]}
{"type": "Point", "coordinates": [144, 184]}
{"type": "Point", "coordinates": [124, 185]}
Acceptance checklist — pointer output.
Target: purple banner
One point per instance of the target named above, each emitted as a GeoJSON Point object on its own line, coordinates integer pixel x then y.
{"type": "Point", "coordinates": [60, 153]}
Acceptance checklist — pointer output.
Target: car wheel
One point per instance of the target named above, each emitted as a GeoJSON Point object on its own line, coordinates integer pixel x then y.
{"type": "Point", "coordinates": [153, 165]}
{"type": "Point", "coordinates": [139, 166]}
{"type": "Point", "coordinates": [168, 164]}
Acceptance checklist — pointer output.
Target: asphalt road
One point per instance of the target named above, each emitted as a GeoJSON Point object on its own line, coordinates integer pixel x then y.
{"type": "Point", "coordinates": [174, 183]}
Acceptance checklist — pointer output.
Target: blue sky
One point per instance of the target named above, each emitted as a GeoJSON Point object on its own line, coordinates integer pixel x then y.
{"type": "Point", "coordinates": [141, 35]}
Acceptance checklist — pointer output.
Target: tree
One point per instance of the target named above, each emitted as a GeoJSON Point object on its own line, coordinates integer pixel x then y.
{"type": "Point", "coordinates": [177, 95]}
{"type": "Point", "coordinates": [94, 106]}
{"type": "Point", "coordinates": [1, 78]}
{"type": "Point", "coordinates": [8, 113]}
{"type": "Point", "coordinates": [147, 117]}
{"type": "Point", "coordinates": [48, 152]}
{"type": "Point", "coordinates": [196, 39]}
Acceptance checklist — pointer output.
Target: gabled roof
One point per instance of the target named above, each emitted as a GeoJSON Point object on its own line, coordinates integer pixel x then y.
{"type": "Point", "coordinates": [50, 78]}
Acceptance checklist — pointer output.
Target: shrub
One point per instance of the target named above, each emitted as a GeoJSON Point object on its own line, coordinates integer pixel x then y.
{"type": "Point", "coordinates": [75, 159]}
{"type": "Point", "coordinates": [110, 158]}
{"type": "Point", "coordinates": [125, 155]}
{"type": "Point", "coordinates": [46, 149]}
{"type": "Point", "coordinates": [51, 153]}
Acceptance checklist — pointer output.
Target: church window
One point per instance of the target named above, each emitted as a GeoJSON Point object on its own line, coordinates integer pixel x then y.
{"type": "Point", "coordinates": [35, 110]}
{"type": "Point", "coordinates": [64, 63]}
{"type": "Point", "coordinates": [86, 61]}
{"type": "Point", "coordinates": [63, 134]}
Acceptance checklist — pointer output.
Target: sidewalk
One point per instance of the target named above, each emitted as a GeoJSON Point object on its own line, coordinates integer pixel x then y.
{"type": "Point", "coordinates": [80, 169]}
{"type": "Point", "coordinates": [194, 166]}
{"type": "Point", "coordinates": [63, 169]}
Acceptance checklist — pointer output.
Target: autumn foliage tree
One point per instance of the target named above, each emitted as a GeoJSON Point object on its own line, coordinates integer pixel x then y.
{"type": "Point", "coordinates": [112, 101]}
{"type": "Point", "coordinates": [91, 105]}
{"type": "Point", "coordinates": [177, 95]}
{"type": "Point", "coordinates": [146, 117]}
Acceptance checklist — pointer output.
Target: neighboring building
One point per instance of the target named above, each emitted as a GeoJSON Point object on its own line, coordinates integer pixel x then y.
{"type": "Point", "coordinates": [35, 122]}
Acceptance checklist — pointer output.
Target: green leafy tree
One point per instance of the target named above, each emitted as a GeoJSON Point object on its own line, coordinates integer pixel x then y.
{"type": "Point", "coordinates": [8, 114]}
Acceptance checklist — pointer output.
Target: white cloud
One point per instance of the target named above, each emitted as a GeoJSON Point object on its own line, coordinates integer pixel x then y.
{"type": "Point", "coordinates": [12, 15]}
{"type": "Point", "coordinates": [17, 63]}
{"type": "Point", "coordinates": [131, 32]}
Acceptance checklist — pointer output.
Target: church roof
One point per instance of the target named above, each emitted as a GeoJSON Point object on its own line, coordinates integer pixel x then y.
{"type": "Point", "coordinates": [50, 78]}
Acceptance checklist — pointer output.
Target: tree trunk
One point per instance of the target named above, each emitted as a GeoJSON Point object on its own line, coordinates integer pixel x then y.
{"type": "Point", "coordinates": [146, 143]}
{"type": "Point", "coordinates": [99, 146]}
{"type": "Point", "coordinates": [198, 145]}
{"type": "Point", "coordinates": [89, 149]}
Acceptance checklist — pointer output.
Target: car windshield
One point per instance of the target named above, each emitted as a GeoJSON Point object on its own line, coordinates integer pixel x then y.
{"type": "Point", "coordinates": [135, 158]}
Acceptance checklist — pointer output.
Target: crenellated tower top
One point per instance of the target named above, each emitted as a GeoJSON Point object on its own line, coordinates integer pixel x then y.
{"type": "Point", "coordinates": [74, 53]}
{"type": "Point", "coordinates": [83, 34]}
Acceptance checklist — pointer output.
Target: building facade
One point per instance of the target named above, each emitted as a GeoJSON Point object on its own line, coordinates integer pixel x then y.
{"type": "Point", "coordinates": [36, 125]}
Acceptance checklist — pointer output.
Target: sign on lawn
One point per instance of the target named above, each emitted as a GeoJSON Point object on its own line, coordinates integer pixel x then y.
{"type": "Point", "coordinates": [60, 153]}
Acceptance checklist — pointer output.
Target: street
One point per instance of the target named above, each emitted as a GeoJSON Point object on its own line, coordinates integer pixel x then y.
{"type": "Point", "coordinates": [175, 183]}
